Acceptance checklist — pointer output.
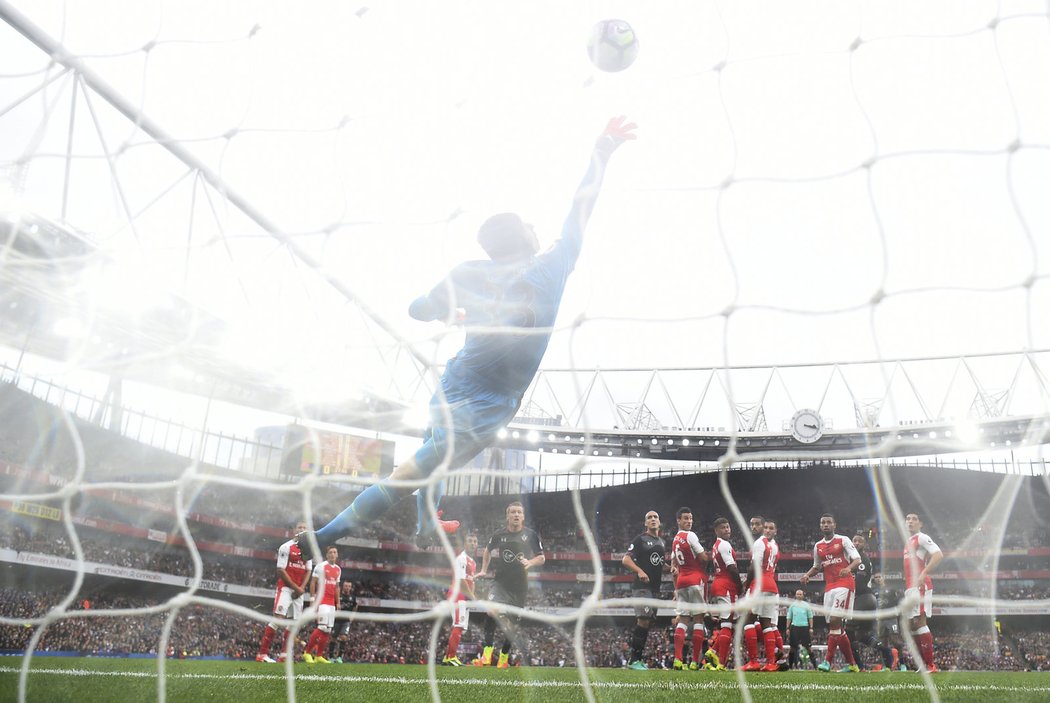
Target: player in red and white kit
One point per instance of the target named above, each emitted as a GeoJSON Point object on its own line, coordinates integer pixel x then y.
{"type": "Point", "coordinates": [688, 559]}
{"type": "Point", "coordinates": [765, 555]}
{"type": "Point", "coordinates": [464, 570]}
{"type": "Point", "coordinates": [324, 591]}
{"type": "Point", "coordinates": [837, 556]}
{"type": "Point", "coordinates": [726, 586]}
{"type": "Point", "coordinates": [293, 576]}
{"type": "Point", "coordinates": [921, 556]}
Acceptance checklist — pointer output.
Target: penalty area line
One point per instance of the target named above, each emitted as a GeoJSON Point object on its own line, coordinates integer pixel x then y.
{"type": "Point", "coordinates": [533, 683]}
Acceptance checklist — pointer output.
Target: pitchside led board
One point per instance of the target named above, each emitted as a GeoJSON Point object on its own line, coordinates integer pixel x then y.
{"type": "Point", "coordinates": [335, 453]}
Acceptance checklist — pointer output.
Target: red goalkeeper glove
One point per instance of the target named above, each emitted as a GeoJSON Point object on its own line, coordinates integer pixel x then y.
{"type": "Point", "coordinates": [616, 133]}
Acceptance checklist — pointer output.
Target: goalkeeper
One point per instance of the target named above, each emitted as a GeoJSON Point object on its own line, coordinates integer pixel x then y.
{"type": "Point", "coordinates": [508, 306]}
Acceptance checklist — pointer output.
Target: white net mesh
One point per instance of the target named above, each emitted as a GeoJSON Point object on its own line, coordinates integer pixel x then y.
{"type": "Point", "coordinates": [216, 218]}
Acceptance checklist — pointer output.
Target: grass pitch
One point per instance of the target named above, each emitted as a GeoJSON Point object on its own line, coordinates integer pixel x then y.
{"type": "Point", "coordinates": [101, 680]}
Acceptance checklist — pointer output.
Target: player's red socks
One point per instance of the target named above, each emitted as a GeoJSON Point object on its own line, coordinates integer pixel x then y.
{"type": "Point", "coordinates": [725, 638]}
{"type": "Point", "coordinates": [314, 636]}
{"type": "Point", "coordinates": [453, 642]}
{"type": "Point", "coordinates": [847, 650]}
{"type": "Point", "coordinates": [780, 640]}
{"type": "Point", "coordinates": [833, 646]}
{"type": "Point", "coordinates": [679, 640]}
{"type": "Point", "coordinates": [769, 637]}
{"type": "Point", "coordinates": [698, 642]}
{"type": "Point", "coordinates": [751, 640]}
{"type": "Point", "coordinates": [267, 640]}
{"type": "Point", "coordinates": [924, 638]}
{"type": "Point", "coordinates": [322, 644]}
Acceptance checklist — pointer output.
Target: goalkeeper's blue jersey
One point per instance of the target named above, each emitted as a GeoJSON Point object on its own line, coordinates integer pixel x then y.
{"type": "Point", "coordinates": [511, 307]}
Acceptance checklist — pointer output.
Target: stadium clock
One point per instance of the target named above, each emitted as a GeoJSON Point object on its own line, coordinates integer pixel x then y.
{"type": "Point", "coordinates": [807, 426]}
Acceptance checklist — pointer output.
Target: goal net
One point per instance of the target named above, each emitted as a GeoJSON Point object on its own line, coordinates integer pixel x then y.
{"type": "Point", "coordinates": [214, 219]}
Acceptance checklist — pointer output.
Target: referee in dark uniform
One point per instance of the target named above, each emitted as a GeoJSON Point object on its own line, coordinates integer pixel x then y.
{"type": "Point", "coordinates": [864, 601]}
{"type": "Point", "coordinates": [517, 549]}
{"type": "Point", "coordinates": [645, 558]}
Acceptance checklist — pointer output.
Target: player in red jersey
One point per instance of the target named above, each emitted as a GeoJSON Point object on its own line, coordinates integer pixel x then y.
{"type": "Point", "coordinates": [765, 555]}
{"type": "Point", "coordinates": [324, 591]}
{"type": "Point", "coordinates": [465, 569]}
{"type": "Point", "coordinates": [293, 576]}
{"type": "Point", "coordinates": [688, 559]}
{"type": "Point", "coordinates": [752, 628]}
{"type": "Point", "coordinates": [726, 585]}
{"type": "Point", "coordinates": [921, 556]}
{"type": "Point", "coordinates": [837, 556]}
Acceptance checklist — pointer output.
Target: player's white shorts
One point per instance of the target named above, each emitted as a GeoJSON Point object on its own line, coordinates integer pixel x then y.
{"type": "Point", "coordinates": [769, 608]}
{"type": "Point", "coordinates": [460, 616]}
{"type": "Point", "coordinates": [689, 601]}
{"type": "Point", "coordinates": [723, 606]}
{"type": "Point", "coordinates": [286, 604]}
{"type": "Point", "coordinates": [325, 617]}
{"type": "Point", "coordinates": [839, 602]}
{"type": "Point", "coordinates": [924, 606]}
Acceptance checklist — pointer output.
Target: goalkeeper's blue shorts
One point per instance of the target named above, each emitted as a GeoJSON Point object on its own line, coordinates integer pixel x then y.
{"type": "Point", "coordinates": [476, 414]}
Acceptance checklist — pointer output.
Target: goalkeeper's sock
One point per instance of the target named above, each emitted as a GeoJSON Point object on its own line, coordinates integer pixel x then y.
{"type": "Point", "coordinates": [424, 524]}
{"type": "Point", "coordinates": [366, 508]}
{"type": "Point", "coordinates": [486, 654]}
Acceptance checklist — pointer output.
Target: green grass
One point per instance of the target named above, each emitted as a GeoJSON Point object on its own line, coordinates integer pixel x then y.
{"type": "Point", "coordinates": [100, 680]}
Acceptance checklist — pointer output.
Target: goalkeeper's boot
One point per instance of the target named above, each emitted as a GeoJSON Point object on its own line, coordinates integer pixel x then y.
{"type": "Point", "coordinates": [265, 659]}
{"type": "Point", "coordinates": [711, 657]}
{"type": "Point", "coordinates": [308, 658]}
{"type": "Point", "coordinates": [849, 669]}
{"type": "Point", "coordinates": [321, 660]}
{"type": "Point", "coordinates": [504, 661]}
{"type": "Point", "coordinates": [677, 666]}
{"type": "Point", "coordinates": [638, 665]}
{"type": "Point", "coordinates": [824, 666]}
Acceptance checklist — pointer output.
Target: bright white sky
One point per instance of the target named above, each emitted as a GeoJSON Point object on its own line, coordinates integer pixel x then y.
{"type": "Point", "coordinates": [479, 107]}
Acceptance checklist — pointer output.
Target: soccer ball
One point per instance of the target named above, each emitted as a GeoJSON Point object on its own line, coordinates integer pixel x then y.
{"type": "Point", "coordinates": [613, 45]}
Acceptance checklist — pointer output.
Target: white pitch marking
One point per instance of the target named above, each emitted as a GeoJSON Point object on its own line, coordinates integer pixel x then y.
{"type": "Point", "coordinates": [504, 683]}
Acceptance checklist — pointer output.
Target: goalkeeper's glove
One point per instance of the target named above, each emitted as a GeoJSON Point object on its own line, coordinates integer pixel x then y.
{"type": "Point", "coordinates": [615, 134]}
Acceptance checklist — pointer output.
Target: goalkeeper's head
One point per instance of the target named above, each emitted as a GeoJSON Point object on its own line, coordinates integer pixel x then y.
{"type": "Point", "coordinates": [505, 237]}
